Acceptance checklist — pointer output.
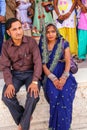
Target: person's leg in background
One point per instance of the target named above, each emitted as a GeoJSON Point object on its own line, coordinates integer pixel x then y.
{"type": "Point", "coordinates": [82, 45]}
{"type": "Point", "coordinates": [1, 37]}
{"type": "Point", "coordinates": [2, 34]}
{"type": "Point", "coordinates": [72, 39]}
{"type": "Point", "coordinates": [3, 30]}
{"type": "Point", "coordinates": [70, 35]}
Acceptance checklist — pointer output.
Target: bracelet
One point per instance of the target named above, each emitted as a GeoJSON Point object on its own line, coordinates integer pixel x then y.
{"type": "Point", "coordinates": [35, 82]}
{"type": "Point", "coordinates": [52, 77]}
{"type": "Point", "coordinates": [65, 74]}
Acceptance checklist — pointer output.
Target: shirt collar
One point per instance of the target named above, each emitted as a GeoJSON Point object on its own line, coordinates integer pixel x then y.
{"type": "Point", "coordinates": [24, 40]}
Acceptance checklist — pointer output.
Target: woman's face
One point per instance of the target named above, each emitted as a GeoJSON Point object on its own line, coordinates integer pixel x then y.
{"type": "Point", "coordinates": [51, 33]}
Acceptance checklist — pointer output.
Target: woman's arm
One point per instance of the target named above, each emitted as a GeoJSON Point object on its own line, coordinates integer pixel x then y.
{"type": "Point", "coordinates": [60, 17]}
{"type": "Point", "coordinates": [65, 74]}
{"type": "Point", "coordinates": [51, 76]}
{"type": "Point", "coordinates": [67, 59]}
{"type": "Point", "coordinates": [56, 7]}
{"type": "Point", "coordinates": [46, 3]}
{"type": "Point", "coordinates": [82, 6]}
{"type": "Point", "coordinates": [46, 70]}
{"type": "Point", "coordinates": [73, 6]}
{"type": "Point", "coordinates": [65, 16]}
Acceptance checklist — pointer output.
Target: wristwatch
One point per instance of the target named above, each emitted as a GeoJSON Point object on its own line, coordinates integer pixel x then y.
{"type": "Point", "coordinates": [35, 82]}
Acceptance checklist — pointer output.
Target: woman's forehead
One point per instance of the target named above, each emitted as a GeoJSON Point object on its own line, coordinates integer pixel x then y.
{"type": "Point", "coordinates": [50, 27]}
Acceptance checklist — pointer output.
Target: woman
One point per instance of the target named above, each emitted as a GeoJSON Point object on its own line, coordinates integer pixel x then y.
{"type": "Point", "coordinates": [40, 17]}
{"type": "Point", "coordinates": [59, 84]}
{"type": "Point", "coordinates": [21, 14]}
{"type": "Point", "coordinates": [82, 31]}
{"type": "Point", "coordinates": [64, 16]}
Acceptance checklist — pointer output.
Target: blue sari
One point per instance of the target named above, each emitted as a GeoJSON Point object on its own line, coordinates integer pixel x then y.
{"type": "Point", "coordinates": [60, 101]}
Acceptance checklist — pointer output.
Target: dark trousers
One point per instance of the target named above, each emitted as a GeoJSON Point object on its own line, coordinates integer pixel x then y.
{"type": "Point", "coordinates": [1, 37]}
{"type": "Point", "coordinates": [2, 32]}
{"type": "Point", "coordinates": [21, 115]}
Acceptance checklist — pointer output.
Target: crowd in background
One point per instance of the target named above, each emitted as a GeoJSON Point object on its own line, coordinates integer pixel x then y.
{"type": "Point", "coordinates": [69, 16]}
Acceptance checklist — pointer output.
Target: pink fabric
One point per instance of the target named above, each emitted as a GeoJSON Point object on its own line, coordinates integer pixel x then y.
{"type": "Point", "coordinates": [83, 21]}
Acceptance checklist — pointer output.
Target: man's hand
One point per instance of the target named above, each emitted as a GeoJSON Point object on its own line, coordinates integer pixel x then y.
{"type": "Point", "coordinates": [2, 18]}
{"type": "Point", "coordinates": [10, 91]}
{"type": "Point", "coordinates": [33, 89]}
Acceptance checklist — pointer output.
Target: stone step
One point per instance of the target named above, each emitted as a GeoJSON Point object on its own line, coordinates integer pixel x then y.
{"type": "Point", "coordinates": [14, 127]}
{"type": "Point", "coordinates": [41, 114]}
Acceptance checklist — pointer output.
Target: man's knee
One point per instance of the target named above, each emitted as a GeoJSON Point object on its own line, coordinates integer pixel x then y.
{"type": "Point", "coordinates": [5, 99]}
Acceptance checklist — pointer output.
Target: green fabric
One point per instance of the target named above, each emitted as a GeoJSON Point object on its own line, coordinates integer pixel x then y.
{"type": "Point", "coordinates": [82, 44]}
{"type": "Point", "coordinates": [7, 36]}
{"type": "Point", "coordinates": [45, 17]}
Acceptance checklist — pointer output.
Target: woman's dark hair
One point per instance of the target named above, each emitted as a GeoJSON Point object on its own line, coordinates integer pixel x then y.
{"type": "Point", "coordinates": [9, 23]}
{"type": "Point", "coordinates": [57, 32]}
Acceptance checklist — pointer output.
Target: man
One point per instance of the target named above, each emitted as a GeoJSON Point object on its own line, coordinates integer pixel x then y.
{"type": "Point", "coordinates": [2, 21]}
{"type": "Point", "coordinates": [10, 9]}
{"type": "Point", "coordinates": [21, 64]}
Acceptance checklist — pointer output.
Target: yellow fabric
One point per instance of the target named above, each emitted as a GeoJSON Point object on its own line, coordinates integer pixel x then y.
{"type": "Point", "coordinates": [70, 35]}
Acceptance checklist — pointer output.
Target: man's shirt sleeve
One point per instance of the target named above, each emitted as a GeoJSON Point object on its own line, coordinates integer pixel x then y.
{"type": "Point", "coordinates": [37, 61]}
{"type": "Point", "coordinates": [6, 66]}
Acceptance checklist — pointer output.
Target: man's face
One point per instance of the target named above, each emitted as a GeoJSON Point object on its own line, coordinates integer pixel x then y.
{"type": "Point", "coordinates": [16, 31]}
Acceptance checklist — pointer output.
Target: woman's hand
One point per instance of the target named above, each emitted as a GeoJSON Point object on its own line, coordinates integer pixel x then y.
{"type": "Point", "coordinates": [62, 81]}
{"type": "Point", "coordinates": [61, 17]}
{"type": "Point", "coordinates": [56, 83]}
{"type": "Point", "coordinates": [65, 16]}
{"type": "Point", "coordinates": [59, 83]}
{"type": "Point", "coordinates": [45, 3]}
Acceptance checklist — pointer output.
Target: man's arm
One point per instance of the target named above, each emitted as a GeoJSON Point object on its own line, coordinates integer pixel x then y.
{"type": "Point", "coordinates": [33, 87]}
{"type": "Point", "coordinates": [37, 61]}
{"type": "Point", "coordinates": [6, 66]}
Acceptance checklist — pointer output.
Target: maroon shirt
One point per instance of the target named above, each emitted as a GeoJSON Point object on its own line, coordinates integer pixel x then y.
{"type": "Point", "coordinates": [21, 58]}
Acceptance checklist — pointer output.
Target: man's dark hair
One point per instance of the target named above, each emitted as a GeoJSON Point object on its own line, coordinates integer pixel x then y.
{"type": "Point", "coordinates": [9, 22]}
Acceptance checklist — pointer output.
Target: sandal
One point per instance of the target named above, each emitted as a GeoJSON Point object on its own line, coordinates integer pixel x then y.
{"type": "Point", "coordinates": [75, 57]}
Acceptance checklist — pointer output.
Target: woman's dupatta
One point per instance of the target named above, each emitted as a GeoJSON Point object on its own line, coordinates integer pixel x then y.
{"type": "Point", "coordinates": [52, 60]}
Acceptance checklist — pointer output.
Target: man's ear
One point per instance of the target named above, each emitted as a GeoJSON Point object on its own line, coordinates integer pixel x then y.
{"type": "Point", "coordinates": [8, 32]}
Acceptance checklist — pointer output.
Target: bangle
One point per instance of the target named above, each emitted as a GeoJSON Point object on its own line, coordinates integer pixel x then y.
{"type": "Point", "coordinates": [35, 82]}
{"type": "Point", "coordinates": [65, 74]}
{"type": "Point", "coordinates": [52, 77]}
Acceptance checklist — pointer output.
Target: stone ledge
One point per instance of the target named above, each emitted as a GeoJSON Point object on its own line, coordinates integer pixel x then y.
{"type": "Point", "coordinates": [41, 115]}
